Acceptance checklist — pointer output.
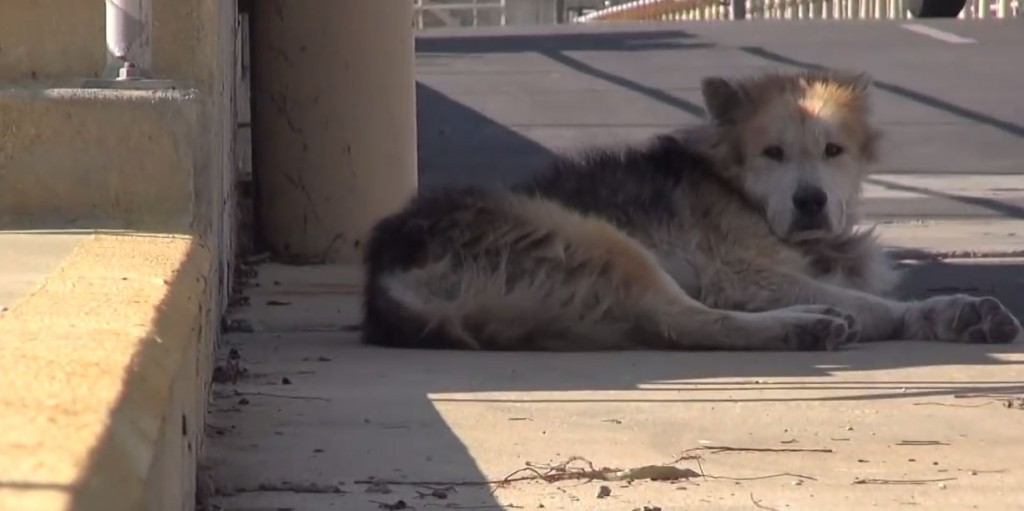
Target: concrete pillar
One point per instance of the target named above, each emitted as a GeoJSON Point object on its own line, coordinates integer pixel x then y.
{"type": "Point", "coordinates": [334, 122]}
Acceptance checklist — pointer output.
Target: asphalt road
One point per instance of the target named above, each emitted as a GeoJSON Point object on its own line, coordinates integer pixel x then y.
{"type": "Point", "coordinates": [494, 103]}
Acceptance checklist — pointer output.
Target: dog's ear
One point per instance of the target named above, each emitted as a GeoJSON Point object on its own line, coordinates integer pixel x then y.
{"type": "Point", "coordinates": [722, 99]}
{"type": "Point", "coordinates": [859, 83]}
{"type": "Point", "coordinates": [862, 82]}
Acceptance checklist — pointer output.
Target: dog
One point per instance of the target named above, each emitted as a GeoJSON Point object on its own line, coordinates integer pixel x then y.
{"type": "Point", "coordinates": [738, 234]}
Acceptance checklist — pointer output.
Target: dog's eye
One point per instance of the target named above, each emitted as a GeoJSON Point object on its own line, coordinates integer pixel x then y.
{"type": "Point", "coordinates": [773, 152]}
{"type": "Point", "coordinates": [833, 150]}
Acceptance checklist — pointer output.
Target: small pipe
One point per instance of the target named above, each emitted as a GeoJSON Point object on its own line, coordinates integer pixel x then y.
{"type": "Point", "coordinates": [129, 39]}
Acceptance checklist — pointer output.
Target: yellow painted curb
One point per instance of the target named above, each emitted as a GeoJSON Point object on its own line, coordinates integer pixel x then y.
{"type": "Point", "coordinates": [103, 373]}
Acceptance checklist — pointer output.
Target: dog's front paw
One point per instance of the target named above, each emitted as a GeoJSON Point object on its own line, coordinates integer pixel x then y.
{"type": "Point", "coordinates": [827, 330]}
{"type": "Point", "coordinates": [852, 325]}
{"type": "Point", "coordinates": [967, 319]}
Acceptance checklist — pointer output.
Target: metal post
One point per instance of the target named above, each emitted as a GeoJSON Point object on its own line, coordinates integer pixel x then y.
{"type": "Point", "coordinates": [129, 48]}
{"type": "Point", "coordinates": [129, 29]}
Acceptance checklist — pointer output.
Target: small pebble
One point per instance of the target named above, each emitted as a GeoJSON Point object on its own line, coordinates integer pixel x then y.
{"type": "Point", "coordinates": [798, 482]}
{"type": "Point", "coordinates": [942, 486]}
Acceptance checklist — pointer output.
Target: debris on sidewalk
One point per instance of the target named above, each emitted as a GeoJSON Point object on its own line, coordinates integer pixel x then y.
{"type": "Point", "coordinates": [579, 468]}
{"type": "Point", "coordinates": [919, 443]}
{"type": "Point", "coordinates": [397, 505]}
{"type": "Point", "coordinates": [715, 449]}
{"type": "Point", "coordinates": [377, 487]}
{"type": "Point", "coordinates": [901, 481]}
{"type": "Point", "coordinates": [231, 370]}
{"type": "Point", "coordinates": [289, 486]}
{"type": "Point", "coordinates": [437, 493]}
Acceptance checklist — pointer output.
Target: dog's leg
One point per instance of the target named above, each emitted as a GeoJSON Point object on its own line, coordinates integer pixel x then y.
{"type": "Point", "coordinates": [953, 318]}
{"type": "Point", "coordinates": [679, 321]}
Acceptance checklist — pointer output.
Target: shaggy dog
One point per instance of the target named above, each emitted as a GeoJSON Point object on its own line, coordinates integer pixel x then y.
{"type": "Point", "coordinates": [736, 234]}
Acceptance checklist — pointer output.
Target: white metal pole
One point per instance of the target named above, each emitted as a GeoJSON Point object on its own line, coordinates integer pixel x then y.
{"type": "Point", "coordinates": [129, 39]}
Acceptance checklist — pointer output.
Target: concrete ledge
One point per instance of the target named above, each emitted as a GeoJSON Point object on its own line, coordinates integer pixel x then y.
{"type": "Point", "coordinates": [104, 376]}
{"type": "Point", "coordinates": [52, 41]}
{"type": "Point", "coordinates": [98, 158]}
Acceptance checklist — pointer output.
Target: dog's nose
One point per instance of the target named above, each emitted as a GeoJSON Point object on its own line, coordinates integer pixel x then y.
{"type": "Point", "coordinates": [809, 200]}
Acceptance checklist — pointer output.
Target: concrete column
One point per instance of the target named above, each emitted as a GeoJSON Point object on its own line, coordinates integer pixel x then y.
{"type": "Point", "coordinates": [334, 122]}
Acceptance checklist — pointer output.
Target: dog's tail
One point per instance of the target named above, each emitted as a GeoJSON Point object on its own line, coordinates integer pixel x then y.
{"type": "Point", "coordinates": [394, 316]}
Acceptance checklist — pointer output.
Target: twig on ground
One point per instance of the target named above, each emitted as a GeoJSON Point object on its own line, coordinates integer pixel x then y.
{"type": "Point", "coordinates": [449, 487]}
{"type": "Point", "coordinates": [954, 405]}
{"type": "Point", "coordinates": [902, 481]}
{"type": "Point", "coordinates": [989, 395]}
{"type": "Point", "coordinates": [973, 471]}
{"type": "Point", "coordinates": [480, 506]}
{"type": "Point", "coordinates": [291, 487]}
{"type": "Point", "coordinates": [715, 449]}
{"type": "Point", "coordinates": [425, 484]}
{"type": "Point", "coordinates": [281, 396]}
{"type": "Point", "coordinates": [759, 505]}
{"type": "Point", "coordinates": [920, 443]}
{"type": "Point", "coordinates": [581, 469]}
{"type": "Point", "coordinates": [769, 476]}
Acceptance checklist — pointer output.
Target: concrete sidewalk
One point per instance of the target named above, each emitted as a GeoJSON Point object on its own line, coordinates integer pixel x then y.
{"type": "Point", "coordinates": [26, 258]}
{"type": "Point", "coordinates": [314, 416]}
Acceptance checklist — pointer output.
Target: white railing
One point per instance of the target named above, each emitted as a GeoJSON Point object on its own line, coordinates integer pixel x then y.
{"type": "Point", "coordinates": [129, 29]}
{"type": "Point", "coordinates": [686, 10]}
{"type": "Point", "coordinates": [129, 49]}
{"type": "Point", "coordinates": [442, 10]}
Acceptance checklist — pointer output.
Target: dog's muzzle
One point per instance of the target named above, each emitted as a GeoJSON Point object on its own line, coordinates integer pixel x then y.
{"type": "Point", "coordinates": [809, 209]}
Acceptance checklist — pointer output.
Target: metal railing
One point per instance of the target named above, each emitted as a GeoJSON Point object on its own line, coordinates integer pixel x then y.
{"type": "Point", "coordinates": [687, 10]}
{"type": "Point", "coordinates": [129, 32]}
{"type": "Point", "coordinates": [450, 13]}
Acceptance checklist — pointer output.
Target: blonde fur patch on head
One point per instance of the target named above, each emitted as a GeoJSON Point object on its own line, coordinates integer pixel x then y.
{"type": "Point", "coordinates": [778, 135]}
{"type": "Point", "coordinates": [841, 96]}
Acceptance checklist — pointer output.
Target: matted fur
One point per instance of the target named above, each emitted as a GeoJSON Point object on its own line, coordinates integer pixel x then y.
{"type": "Point", "coordinates": [736, 234]}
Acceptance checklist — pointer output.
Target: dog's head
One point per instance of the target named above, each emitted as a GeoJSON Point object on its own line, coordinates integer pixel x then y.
{"type": "Point", "coordinates": [796, 144]}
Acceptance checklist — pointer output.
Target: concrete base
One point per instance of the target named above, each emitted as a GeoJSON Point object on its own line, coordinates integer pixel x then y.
{"type": "Point", "coordinates": [98, 158]}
